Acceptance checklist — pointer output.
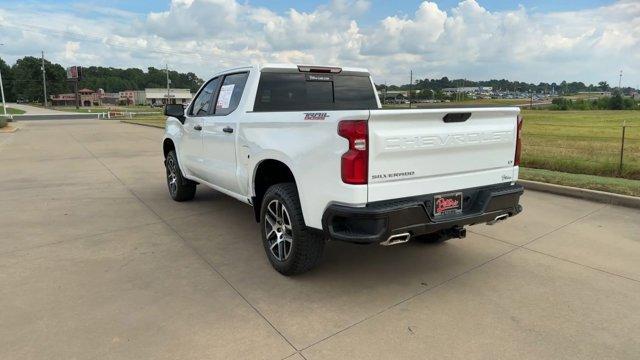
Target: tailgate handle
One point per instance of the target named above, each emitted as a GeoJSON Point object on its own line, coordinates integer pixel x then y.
{"type": "Point", "coordinates": [456, 117]}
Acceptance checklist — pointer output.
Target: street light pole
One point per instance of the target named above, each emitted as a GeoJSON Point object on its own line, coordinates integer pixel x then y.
{"type": "Point", "coordinates": [410, 83]}
{"type": "Point", "coordinates": [44, 81]}
{"type": "Point", "coordinates": [620, 82]}
{"type": "Point", "coordinates": [4, 104]}
{"type": "Point", "coordinates": [168, 83]}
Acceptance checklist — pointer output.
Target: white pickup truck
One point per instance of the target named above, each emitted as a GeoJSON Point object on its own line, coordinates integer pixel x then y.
{"type": "Point", "coordinates": [312, 151]}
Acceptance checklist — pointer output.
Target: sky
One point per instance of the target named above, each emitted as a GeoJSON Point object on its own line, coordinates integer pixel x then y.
{"type": "Point", "coordinates": [526, 40]}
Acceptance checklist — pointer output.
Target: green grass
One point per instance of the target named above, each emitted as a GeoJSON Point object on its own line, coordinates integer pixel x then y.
{"type": "Point", "coordinates": [614, 185]}
{"type": "Point", "coordinates": [586, 142]}
{"type": "Point", "coordinates": [101, 109]}
{"type": "Point", "coordinates": [11, 111]}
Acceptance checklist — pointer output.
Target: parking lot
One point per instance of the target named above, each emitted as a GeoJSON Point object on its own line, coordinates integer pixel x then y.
{"type": "Point", "coordinates": [97, 262]}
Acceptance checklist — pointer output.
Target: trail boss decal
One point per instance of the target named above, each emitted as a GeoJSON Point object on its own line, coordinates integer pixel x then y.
{"type": "Point", "coordinates": [315, 116]}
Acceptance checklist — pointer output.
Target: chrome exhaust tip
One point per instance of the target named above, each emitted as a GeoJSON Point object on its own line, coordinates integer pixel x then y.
{"type": "Point", "coordinates": [396, 239]}
{"type": "Point", "coordinates": [498, 218]}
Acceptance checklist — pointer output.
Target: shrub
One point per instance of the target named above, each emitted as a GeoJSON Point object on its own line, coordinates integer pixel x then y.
{"type": "Point", "coordinates": [3, 121]}
{"type": "Point", "coordinates": [615, 102]}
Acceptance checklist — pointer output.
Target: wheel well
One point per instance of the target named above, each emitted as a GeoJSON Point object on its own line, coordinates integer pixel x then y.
{"type": "Point", "coordinates": [269, 172]}
{"type": "Point", "coordinates": [167, 146]}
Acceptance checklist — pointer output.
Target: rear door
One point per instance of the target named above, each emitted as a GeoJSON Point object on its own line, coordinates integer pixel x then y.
{"type": "Point", "coordinates": [416, 152]}
{"type": "Point", "coordinates": [220, 132]}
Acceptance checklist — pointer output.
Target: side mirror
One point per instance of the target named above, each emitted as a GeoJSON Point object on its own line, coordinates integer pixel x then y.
{"type": "Point", "coordinates": [176, 111]}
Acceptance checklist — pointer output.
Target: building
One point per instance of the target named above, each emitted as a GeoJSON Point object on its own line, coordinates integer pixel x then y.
{"type": "Point", "coordinates": [110, 99]}
{"type": "Point", "coordinates": [396, 96]}
{"type": "Point", "coordinates": [159, 96]}
{"type": "Point", "coordinates": [153, 97]}
{"type": "Point", "coordinates": [595, 93]}
{"type": "Point", "coordinates": [63, 100]}
{"type": "Point", "coordinates": [127, 97]}
{"type": "Point", "coordinates": [132, 97]}
{"type": "Point", "coordinates": [87, 97]}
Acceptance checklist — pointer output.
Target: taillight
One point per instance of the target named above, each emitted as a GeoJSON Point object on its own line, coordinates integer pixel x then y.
{"type": "Point", "coordinates": [355, 160]}
{"type": "Point", "coordinates": [516, 160]}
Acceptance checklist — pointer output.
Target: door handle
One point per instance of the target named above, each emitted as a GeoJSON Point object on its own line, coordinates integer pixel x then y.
{"type": "Point", "coordinates": [228, 129]}
{"type": "Point", "coordinates": [197, 127]}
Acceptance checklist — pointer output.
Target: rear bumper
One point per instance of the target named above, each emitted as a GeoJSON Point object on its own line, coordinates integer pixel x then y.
{"type": "Point", "coordinates": [377, 221]}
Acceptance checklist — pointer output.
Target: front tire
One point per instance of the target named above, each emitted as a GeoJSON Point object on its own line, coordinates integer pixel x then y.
{"type": "Point", "coordinates": [292, 247]}
{"type": "Point", "coordinates": [180, 188]}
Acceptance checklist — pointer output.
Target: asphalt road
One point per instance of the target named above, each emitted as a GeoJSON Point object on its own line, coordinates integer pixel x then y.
{"type": "Point", "coordinates": [97, 262]}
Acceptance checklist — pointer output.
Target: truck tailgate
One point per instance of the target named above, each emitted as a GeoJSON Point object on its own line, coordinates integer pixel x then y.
{"type": "Point", "coordinates": [415, 152]}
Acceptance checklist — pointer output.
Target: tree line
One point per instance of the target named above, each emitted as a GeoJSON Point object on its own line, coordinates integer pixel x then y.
{"type": "Point", "coordinates": [431, 87]}
{"type": "Point", "coordinates": [23, 80]}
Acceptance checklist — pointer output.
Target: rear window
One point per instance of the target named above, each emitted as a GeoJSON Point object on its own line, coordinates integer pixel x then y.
{"type": "Point", "coordinates": [312, 91]}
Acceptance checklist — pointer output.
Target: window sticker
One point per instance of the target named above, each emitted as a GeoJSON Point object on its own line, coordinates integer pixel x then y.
{"type": "Point", "coordinates": [224, 98]}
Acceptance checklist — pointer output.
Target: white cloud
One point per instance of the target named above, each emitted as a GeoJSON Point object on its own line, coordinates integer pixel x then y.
{"type": "Point", "coordinates": [408, 35]}
{"type": "Point", "coordinates": [466, 41]}
{"type": "Point", "coordinates": [71, 49]}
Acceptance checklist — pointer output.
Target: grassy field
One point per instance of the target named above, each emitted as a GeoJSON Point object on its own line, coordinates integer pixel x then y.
{"type": "Point", "coordinates": [148, 120]}
{"type": "Point", "coordinates": [11, 111]}
{"type": "Point", "coordinates": [593, 182]}
{"type": "Point", "coordinates": [583, 142]}
{"type": "Point", "coordinates": [101, 109]}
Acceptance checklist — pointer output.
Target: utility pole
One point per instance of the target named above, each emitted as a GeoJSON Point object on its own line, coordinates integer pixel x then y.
{"type": "Point", "coordinates": [4, 105]}
{"type": "Point", "coordinates": [44, 81]}
{"type": "Point", "coordinates": [531, 103]}
{"type": "Point", "coordinates": [410, 83]}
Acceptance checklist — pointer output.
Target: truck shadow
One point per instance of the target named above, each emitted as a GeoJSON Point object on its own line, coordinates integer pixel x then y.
{"type": "Point", "coordinates": [352, 282]}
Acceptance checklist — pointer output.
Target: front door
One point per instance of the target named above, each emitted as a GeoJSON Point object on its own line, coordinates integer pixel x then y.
{"type": "Point", "coordinates": [191, 151]}
{"type": "Point", "coordinates": [220, 133]}
{"type": "Point", "coordinates": [192, 148]}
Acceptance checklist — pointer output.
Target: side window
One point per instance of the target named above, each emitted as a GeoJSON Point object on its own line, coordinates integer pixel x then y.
{"type": "Point", "coordinates": [230, 93]}
{"type": "Point", "coordinates": [202, 103]}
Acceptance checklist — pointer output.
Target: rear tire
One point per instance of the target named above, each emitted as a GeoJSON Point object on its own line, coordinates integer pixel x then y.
{"type": "Point", "coordinates": [180, 188]}
{"type": "Point", "coordinates": [291, 246]}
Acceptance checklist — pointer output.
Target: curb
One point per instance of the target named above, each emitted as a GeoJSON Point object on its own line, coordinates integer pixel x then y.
{"type": "Point", "coordinates": [137, 123]}
{"type": "Point", "coordinates": [78, 116]}
{"type": "Point", "coordinates": [587, 194]}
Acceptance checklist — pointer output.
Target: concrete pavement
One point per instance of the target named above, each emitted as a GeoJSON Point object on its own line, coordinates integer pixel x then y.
{"type": "Point", "coordinates": [98, 262]}
{"type": "Point", "coordinates": [35, 110]}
